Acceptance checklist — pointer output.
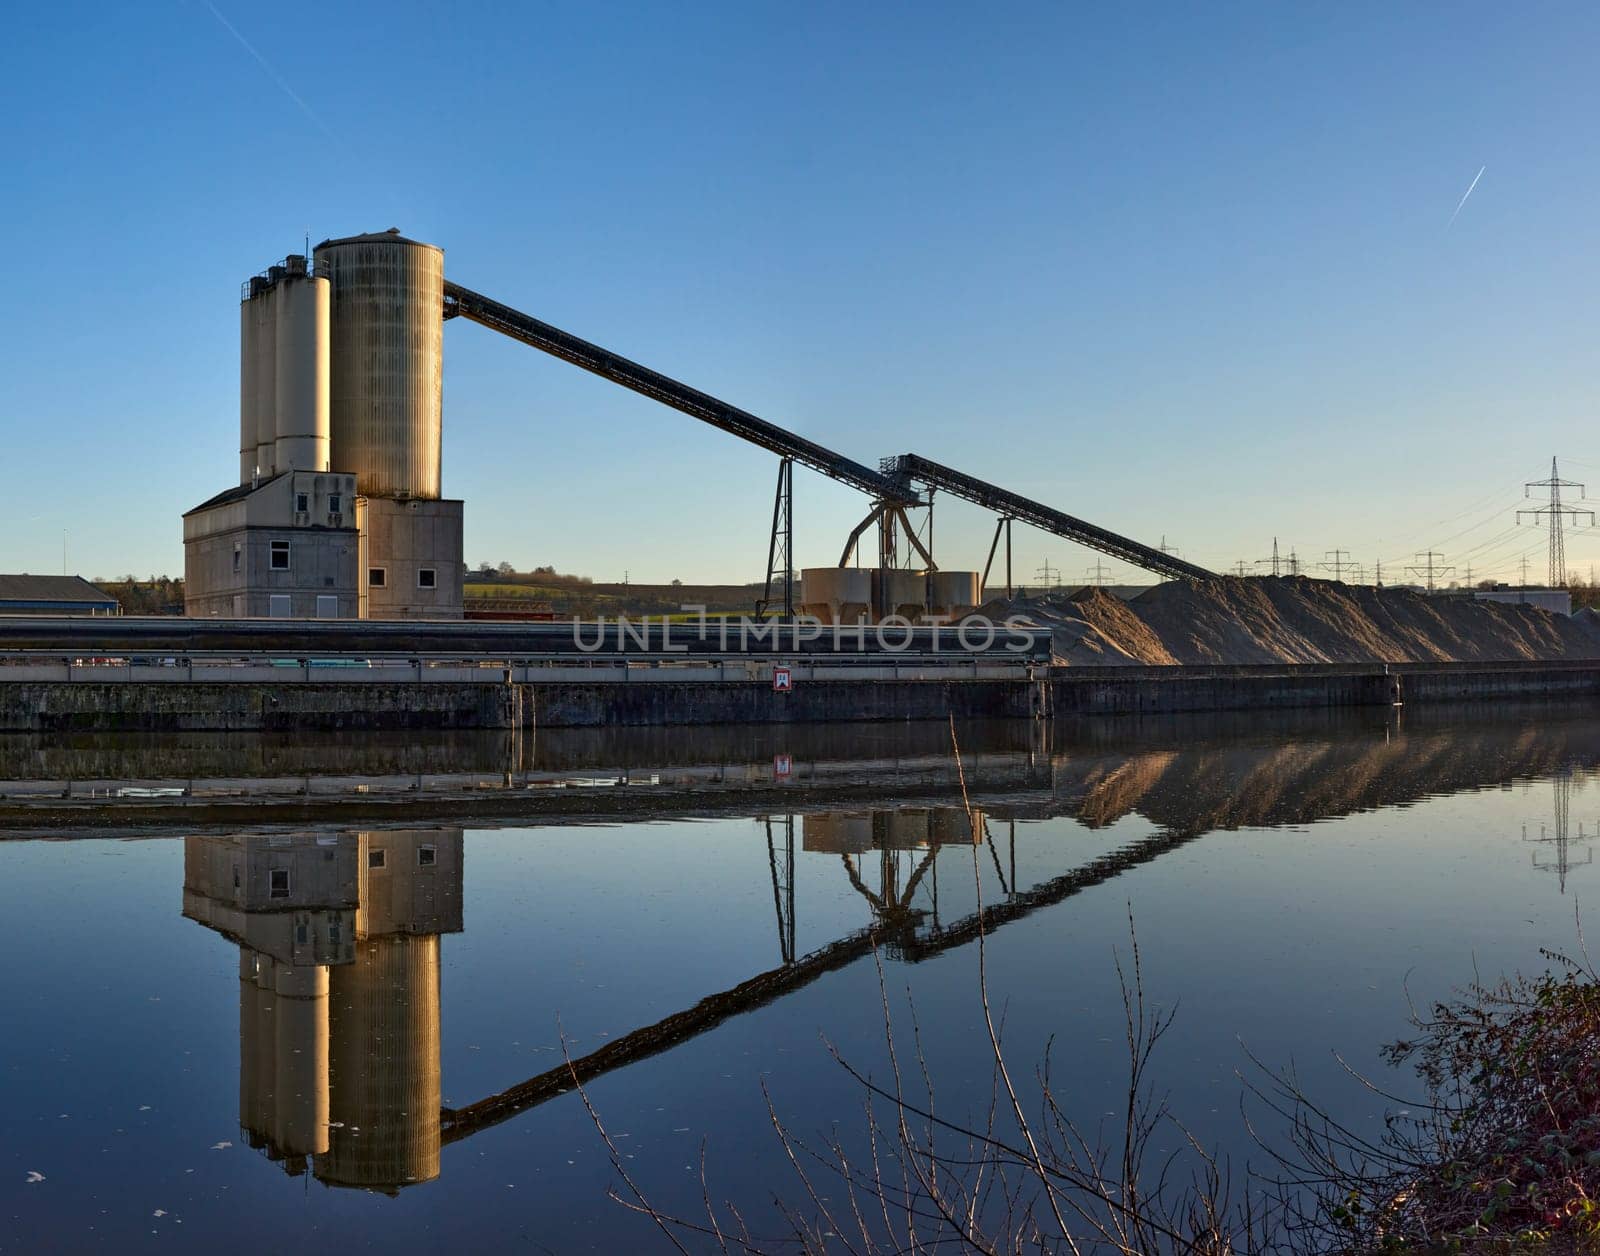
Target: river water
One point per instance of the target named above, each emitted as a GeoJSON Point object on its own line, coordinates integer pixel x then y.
{"type": "Point", "coordinates": [332, 1008]}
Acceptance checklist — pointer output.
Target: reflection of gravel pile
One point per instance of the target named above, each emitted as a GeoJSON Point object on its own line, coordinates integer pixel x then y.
{"type": "Point", "coordinates": [1296, 620]}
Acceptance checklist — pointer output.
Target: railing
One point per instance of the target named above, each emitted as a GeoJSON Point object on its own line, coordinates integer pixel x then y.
{"type": "Point", "coordinates": [25, 666]}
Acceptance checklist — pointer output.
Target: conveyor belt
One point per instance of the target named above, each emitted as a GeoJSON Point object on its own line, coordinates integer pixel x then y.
{"type": "Point", "coordinates": [691, 401]}
{"type": "Point", "coordinates": [909, 468]}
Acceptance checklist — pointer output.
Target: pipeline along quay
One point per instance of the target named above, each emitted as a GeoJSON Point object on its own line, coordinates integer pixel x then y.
{"type": "Point", "coordinates": [153, 675]}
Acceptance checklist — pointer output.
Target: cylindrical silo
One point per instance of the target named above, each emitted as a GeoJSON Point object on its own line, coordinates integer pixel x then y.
{"type": "Point", "coordinates": [265, 305]}
{"type": "Point", "coordinates": [387, 338]}
{"type": "Point", "coordinates": [247, 393]}
{"type": "Point", "coordinates": [383, 1065]}
{"type": "Point", "coordinates": [955, 593]}
{"type": "Point", "coordinates": [836, 595]}
{"type": "Point", "coordinates": [301, 388]}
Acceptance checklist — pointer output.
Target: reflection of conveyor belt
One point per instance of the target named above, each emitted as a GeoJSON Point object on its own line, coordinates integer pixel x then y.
{"type": "Point", "coordinates": [909, 469]}
{"type": "Point", "coordinates": [760, 990]}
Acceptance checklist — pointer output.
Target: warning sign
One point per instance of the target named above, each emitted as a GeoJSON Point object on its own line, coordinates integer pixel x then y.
{"type": "Point", "coordinates": [783, 766]}
{"type": "Point", "coordinates": [782, 680]}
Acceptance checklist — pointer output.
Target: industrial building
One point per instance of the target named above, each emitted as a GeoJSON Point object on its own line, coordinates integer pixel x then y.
{"type": "Point", "coordinates": [54, 595]}
{"type": "Point", "coordinates": [338, 938]}
{"type": "Point", "coordinates": [338, 512]}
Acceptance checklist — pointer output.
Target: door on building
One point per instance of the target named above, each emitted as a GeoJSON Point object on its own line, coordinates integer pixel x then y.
{"type": "Point", "coordinates": [278, 605]}
{"type": "Point", "coordinates": [327, 606]}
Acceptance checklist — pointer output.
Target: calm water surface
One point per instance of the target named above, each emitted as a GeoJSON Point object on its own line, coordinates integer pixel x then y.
{"type": "Point", "coordinates": [263, 1038]}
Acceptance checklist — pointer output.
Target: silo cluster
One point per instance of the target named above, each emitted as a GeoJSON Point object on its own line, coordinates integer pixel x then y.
{"type": "Point", "coordinates": [338, 511]}
{"type": "Point", "coordinates": [284, 372]}
{"type": "Point", "coordinates": [864, 595]}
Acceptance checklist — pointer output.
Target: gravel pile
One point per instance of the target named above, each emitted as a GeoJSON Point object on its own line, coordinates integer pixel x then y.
{"type": "Point", "coordinates": [1298, 620]}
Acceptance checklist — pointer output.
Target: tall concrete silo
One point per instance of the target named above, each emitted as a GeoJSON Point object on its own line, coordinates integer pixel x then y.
{"type": "Point", "coordinates": [301, 371]}
{"type": "Point", "coordinates": [387, 333]}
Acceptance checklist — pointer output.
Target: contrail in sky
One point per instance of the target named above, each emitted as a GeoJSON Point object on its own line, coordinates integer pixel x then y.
{"type": "Point", "coordinates": [1447, 225]}
{"type": "Point", "coordinates": [267, 66]}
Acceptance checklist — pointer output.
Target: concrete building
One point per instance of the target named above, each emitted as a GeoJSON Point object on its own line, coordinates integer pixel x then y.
{"type": "Point", "coordinates": [337, 513]}
{"type": "Point", "coordinates": [338, 939]}
{"type": "Point", "coordinates": [54, 595]}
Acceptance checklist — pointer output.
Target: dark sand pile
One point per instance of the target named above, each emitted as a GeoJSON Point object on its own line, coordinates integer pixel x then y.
{"type": "Point", "coordinates": [1297, 620]}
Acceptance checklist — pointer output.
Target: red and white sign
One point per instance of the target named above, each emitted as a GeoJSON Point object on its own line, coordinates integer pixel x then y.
{"type": "Point", "coordinates": [783, 766]}
{"type": "Point", "coordinates": [782, 680]}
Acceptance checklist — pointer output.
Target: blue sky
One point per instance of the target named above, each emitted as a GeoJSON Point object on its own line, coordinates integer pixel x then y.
{"type": "Point", "coordinates": [1183, 271]}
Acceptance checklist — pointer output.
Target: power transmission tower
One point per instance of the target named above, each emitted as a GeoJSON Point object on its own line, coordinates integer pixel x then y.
{"type": "Point", "coordinates": [1164, 547]}
{"type": "Point", "coordinates": [1468, 576]}
{"type": "Point", "coordinates": [1341, 561]}
{"type": "Point", "coordinates": [1524, 571]}
{"type": "Point", "coordinates": [1241, 568]}
{"type": "Point", "coordinates": [1274, 560]}
{"type": "Point", "coordinates": [1051, 576]}
{"type": "Point", "coordinates": [1429, 568]}
{"type": "Point", "coordinates": [1096, 575]}
{"type": "Point", "coordinates": [1294, 563]}
{"type": "Point", "coordinates": [1378, 578]}
{"type": "Point", "coordinates": [1557, 514]}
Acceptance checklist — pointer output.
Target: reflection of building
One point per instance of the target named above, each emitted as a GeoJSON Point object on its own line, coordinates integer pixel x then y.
{"type": "Point", "coordinates": [338, 992]}
{"type": "Point", "coordinates": [909, 828]}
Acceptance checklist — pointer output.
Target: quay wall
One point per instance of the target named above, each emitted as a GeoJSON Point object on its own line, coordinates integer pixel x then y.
{"type": "Point", "coordinates": [86, 705]}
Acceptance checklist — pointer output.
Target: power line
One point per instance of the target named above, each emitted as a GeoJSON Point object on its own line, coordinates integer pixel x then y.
{"type": "Point", "coordinates": [1429, 567]}
{"type": "Point", "coordinates": [1096, 575]}
{"type": "Point", "coordinates": [1557, 514]}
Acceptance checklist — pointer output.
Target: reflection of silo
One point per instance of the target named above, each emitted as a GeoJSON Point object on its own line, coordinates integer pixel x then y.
{"type": "Point", "coordinates": [301, 373]}
{"type": "Point", "coordinates": [387, 361]}
{"type": "Point", "coordinates": [255, 1091]}
{"type": "Point", "coordinates": [837, 833]}
{"type": "Point", "coordinates": [301, 1084]}
{"type": "Point", "coordinates": [836, 595]}
{"type": "Point", "coordinates": [384, 1065]}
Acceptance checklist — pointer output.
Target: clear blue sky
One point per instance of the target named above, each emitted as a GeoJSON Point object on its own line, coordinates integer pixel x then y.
{"type": "Point", "coordinates": [1183, 270]}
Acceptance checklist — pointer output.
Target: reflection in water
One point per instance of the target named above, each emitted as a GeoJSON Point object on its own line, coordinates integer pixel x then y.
{"type": "Point", "coordinates": [339, 934]}
{"type": "Point", "coordinates": [1558, 834]}
{"type": "Point", "coordinates": [338, 992]}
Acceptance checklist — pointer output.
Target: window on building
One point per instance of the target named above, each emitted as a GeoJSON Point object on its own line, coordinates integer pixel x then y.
{"type": "Point", "coordinates": [280, 556]}
{"type": "Point", "coordinates": [377, 577]}
{"type": "Point", "coordinates": [427, 856]}
{"type": "Point", "coordinates": [333, 503]}
{"type": "Point", "coordinates": [278, 884]}
{"type": "Point", "coordinates": [300, 934]}
{"type": "Point", "coordinates": [302, 502]}
{"type": "Point", "coordinates": [377, 858]}
{"type": "Point", "coordinates": [426, 578]}
{"type": "Point", "coordinates": [238, 555]}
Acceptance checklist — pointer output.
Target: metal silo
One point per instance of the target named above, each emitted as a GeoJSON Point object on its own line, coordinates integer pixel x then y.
{"type": "Point", "coordinates": [387, 337]}
{"type": "Point", "coordinates": [265, 307]}
{"type": "Point", "coordinates": [301, 331]}
{"type": "Point", "coordinates": [247, 393]}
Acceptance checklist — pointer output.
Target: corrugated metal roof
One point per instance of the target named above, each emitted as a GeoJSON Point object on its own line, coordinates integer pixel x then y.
{"type": "Point", "coordinates": [27, 588]}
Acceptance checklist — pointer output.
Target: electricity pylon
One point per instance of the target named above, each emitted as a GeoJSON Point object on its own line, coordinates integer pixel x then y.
{"type": "Point", "coordinates": [1557, 514]}
{"type": "Point", "coordinates": [1429, 568]}
{"type": "Point", "coordinates": [1339, 562]}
